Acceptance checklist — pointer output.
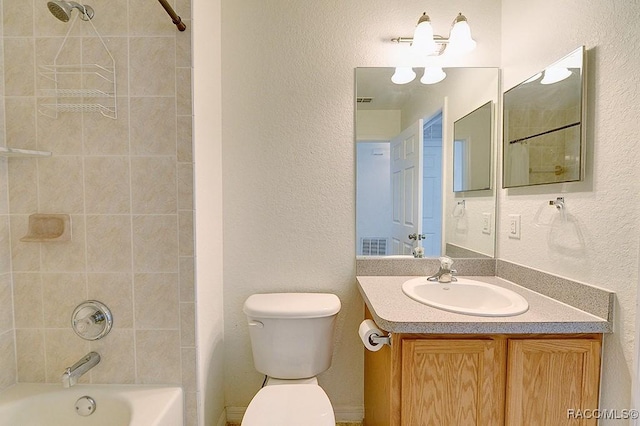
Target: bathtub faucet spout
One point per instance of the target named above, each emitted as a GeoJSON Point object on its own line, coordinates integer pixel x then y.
{"type": "Point", "coordinates": [72, 374]}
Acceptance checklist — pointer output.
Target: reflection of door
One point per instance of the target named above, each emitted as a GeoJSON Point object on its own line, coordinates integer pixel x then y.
{"type": "Point", "coordinates": [432, 184]}
{"type": "Point", "coordinates": [406, 196]}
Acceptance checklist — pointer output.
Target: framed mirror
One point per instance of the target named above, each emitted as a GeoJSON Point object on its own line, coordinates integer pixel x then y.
{"type": "Point", "coordinates": [404, 138]}
{"type": "Point", "coordinates": [543, 137]}
{"type": "Point", "coordinates": [472, 140]}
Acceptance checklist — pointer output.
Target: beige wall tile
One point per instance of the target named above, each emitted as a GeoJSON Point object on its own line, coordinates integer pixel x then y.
{"type": "Point", "coordinates": [23, 185]}
{"type": "Point", "coordinates": [153, 126]}
{"type": "Point", "coordinates": [60, 185]}
{"type": "Point", "coordinates": [184, 135]}
{"type": "Point", "coordinates": [117, 359]}
{"type": "Point", "coordinates": [183, 44]}
{"type": "Point", "coordinates": [27, 300]}
{"type": "Point", "coordinates": [5, 244]}
{"type": "Point", "coordinates": [107, 185]}
{"type": "Point", "coordinates": [152, 66]}
{"type": "Point", "coordinates": [24, 256]}
{"type": "Point", "coordinates": [115, 291]}
{"type": "Point", "coordinates": [61, 293]}
{"type": "Point", "coordinates": [155, 243]}
{"type": "Point", "coordinates": [108, 243]}
{"type": "Point", "coordinates": [7, 360]}
{"type": "Point", "coordinates": [106, 136]}
{"type": "Point", "coordinates": [185, 219]}
{"type": "Point", "coordinates": [111, 17]}
{"type": "Point", "coordinates": [20, 121]}
{"type": "Point", "coordinates": [158, 356]}
{"type": "Point", "coordinates": [63, 349]}
{"type": "Point", "coordinates": [65, 256]}
{"type": "Point", "coordinates": [4, 182]}
{"type": "Point", "coordinates": [60, 135]}
{"type": "Point", "coordinates": [19, 66]}
{"type": "Point", "coordinates": [17, 18]}
{"type": "Point", "coordinates": [183, 88]}
{"type": "Point", "coordinates": [31, 359]}
{"type": "Point", "coordinates": [185, 186]}
{"type": "Point", "coordinates": [189, 370]}
{"type": "Point", "coordinates": [153, 185]}
{"type": "Point", "coordinates": [156, 301]}
{"type": "Point", "coordinates": [187, 324]}
{"type": "Point", "coordinates": [6, 303]}
{"type": "Point", "coordinates": [187, 292]}
{"type": "Point", "coordinates": [156, 21]}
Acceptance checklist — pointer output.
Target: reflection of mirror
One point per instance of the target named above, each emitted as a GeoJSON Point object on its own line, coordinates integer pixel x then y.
{"type": "Point", "coordinates": [397, 197]}
{"type": "Point", "coordinates": [472, 136]}
{"type": "Point", "coordinates": [544, 126]}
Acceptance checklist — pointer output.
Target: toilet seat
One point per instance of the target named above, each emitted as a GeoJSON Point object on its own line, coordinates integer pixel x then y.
{"type": "Point", "coordinates": [290, 405]}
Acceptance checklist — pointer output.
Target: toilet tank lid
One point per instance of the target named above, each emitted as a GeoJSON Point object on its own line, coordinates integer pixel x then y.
{"type": "Point", "coordinates": [292, 305]}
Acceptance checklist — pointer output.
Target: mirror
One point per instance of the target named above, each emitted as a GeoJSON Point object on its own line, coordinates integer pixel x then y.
{"type": "Point", "coordinates": [472, 136]}
{"type": "Point", "coordinates": [404, 152]}
{"type": "Point", "coordinates": [544, 126]}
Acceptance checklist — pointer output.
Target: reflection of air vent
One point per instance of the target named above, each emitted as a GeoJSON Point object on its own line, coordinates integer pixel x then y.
{"type": "Point", "coordinates": [374, 246]}
{"type": "Point", "coordinates": [364, 100]}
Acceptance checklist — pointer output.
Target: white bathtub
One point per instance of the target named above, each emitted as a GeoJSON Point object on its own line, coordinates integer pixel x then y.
{"type": "Point", "coordinates": [28, 404]}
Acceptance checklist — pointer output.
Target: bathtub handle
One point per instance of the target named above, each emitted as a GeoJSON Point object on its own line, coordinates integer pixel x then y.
{"type": "Point", "coordinates": [256, 324]}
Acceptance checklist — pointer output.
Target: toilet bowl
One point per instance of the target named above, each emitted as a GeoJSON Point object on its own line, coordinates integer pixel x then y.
{"type": "Point", "coordinates": [292, 342]}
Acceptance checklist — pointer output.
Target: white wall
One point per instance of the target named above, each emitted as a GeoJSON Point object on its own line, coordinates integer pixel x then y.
{"type": "Point", "coordinates": [289, 158]}
{"type": "Point", "coordinates": [207, 141]}
{"type": "Point", "coordinates": [605, 206]}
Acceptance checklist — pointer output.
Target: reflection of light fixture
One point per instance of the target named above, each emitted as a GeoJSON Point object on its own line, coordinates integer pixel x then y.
{"type": "Point", "coordinates": [555, 74]}
{"type": "Point", "coordinates": [432, 75]}
{"type": "Point", "coordinates": [534, 78]}
{"type": "Point", "coordinates": [403, 75]}
{"type": "Point", "coordinates": [426, 43]}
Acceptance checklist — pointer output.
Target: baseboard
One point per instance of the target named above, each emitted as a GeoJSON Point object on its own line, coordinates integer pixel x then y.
{"type": "Point", "coordinates": [344, 413]}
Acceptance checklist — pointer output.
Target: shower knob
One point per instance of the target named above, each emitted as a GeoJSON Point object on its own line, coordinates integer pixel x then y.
{"type": "Point", "coordinates": [91, 320]}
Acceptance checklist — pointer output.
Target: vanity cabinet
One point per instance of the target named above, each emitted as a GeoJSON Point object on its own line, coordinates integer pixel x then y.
{"type": "Point", "coordinates": [487, 380]}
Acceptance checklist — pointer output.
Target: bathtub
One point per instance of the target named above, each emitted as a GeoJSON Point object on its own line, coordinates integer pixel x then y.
{"type": "Point", "coordinates": [35, 404]}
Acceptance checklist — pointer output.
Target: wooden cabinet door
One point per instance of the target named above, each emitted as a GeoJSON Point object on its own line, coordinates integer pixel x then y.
{"type": "Point", "coordinates": [453, 382]}
{"type": "Point", "coordinates": [548, 377]}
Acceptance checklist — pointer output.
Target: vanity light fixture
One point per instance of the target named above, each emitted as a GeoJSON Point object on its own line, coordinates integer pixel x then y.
{"type": "Point", "coordinates": [424, 43]}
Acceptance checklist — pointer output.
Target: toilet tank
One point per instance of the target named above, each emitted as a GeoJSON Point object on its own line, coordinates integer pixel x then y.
{"type": "Point", "coordinates": [292, 333]}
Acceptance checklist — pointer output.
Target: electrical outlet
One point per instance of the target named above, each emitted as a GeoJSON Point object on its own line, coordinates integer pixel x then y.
{"type": "Point", "coordinates": [486, 223]}
{"type": "Point", "coordinates": [514, 226]}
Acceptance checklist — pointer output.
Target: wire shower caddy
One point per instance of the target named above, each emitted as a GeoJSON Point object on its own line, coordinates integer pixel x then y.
{"type": "Point", "coordinates": [79, 87]}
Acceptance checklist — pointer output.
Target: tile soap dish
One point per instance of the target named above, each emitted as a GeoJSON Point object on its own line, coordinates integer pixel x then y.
{"type": "Point", "coordinates": [48, 227]}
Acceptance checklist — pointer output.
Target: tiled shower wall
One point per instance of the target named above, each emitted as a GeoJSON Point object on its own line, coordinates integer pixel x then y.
{"type": "Point", "coordinates": [127, 185]}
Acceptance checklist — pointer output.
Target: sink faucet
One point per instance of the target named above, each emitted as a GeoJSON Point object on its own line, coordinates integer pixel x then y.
{"type": "Point", "coordinates": [445, 273]}
{"type": "Point", "coordinates": [72, 374]}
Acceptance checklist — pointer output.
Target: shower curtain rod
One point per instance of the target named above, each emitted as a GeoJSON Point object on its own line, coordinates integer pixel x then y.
{"type": "Point", "coordinates": [174, 16]}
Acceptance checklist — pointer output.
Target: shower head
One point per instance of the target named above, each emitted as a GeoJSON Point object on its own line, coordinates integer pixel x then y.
{"type": "Point", "coordinates": [62, 10]}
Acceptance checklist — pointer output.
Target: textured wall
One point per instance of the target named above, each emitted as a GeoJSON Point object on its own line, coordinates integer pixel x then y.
{"type": "Point", "coordinates": [289, 166]}
{"type": "Point", "coordinates": [126, 183]}
{"type": "Point", "coordinates": [604, 208]}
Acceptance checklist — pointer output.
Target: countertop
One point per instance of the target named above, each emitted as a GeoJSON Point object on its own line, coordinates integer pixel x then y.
{"type": "Point", "coordinates": [395, 312]}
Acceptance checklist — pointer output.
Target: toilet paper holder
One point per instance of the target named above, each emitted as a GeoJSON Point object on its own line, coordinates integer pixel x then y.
{"type": "Point", "coordinates": [385, 340]}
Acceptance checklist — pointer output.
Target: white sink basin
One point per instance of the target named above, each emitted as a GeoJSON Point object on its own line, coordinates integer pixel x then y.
{"type": "Point", "coordinates": [466, 297]}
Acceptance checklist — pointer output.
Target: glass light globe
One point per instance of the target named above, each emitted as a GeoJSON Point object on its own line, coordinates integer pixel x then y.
{"type": "Point", "coordinates": [403, 75]}
{"type": "Point", "coordinates": [432, 75]}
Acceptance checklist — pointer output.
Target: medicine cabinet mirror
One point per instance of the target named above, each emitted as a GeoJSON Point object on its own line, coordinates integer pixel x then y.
{"type": "Point", "coordinates": [472, 139]}
{"type": "Point", "coordinates": [405, 154]}
{"type": "Point", "coordinates": [544, 125]}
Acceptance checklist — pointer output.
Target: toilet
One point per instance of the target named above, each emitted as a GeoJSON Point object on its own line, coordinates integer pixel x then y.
{"type": "Point", "coordinates": [292, 342]}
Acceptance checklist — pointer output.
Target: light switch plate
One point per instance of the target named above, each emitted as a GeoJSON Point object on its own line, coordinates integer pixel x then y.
{"type": "Point", "coordinates": [514, 226]}
{"type": "Point", "coordinates": [486, 223]}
